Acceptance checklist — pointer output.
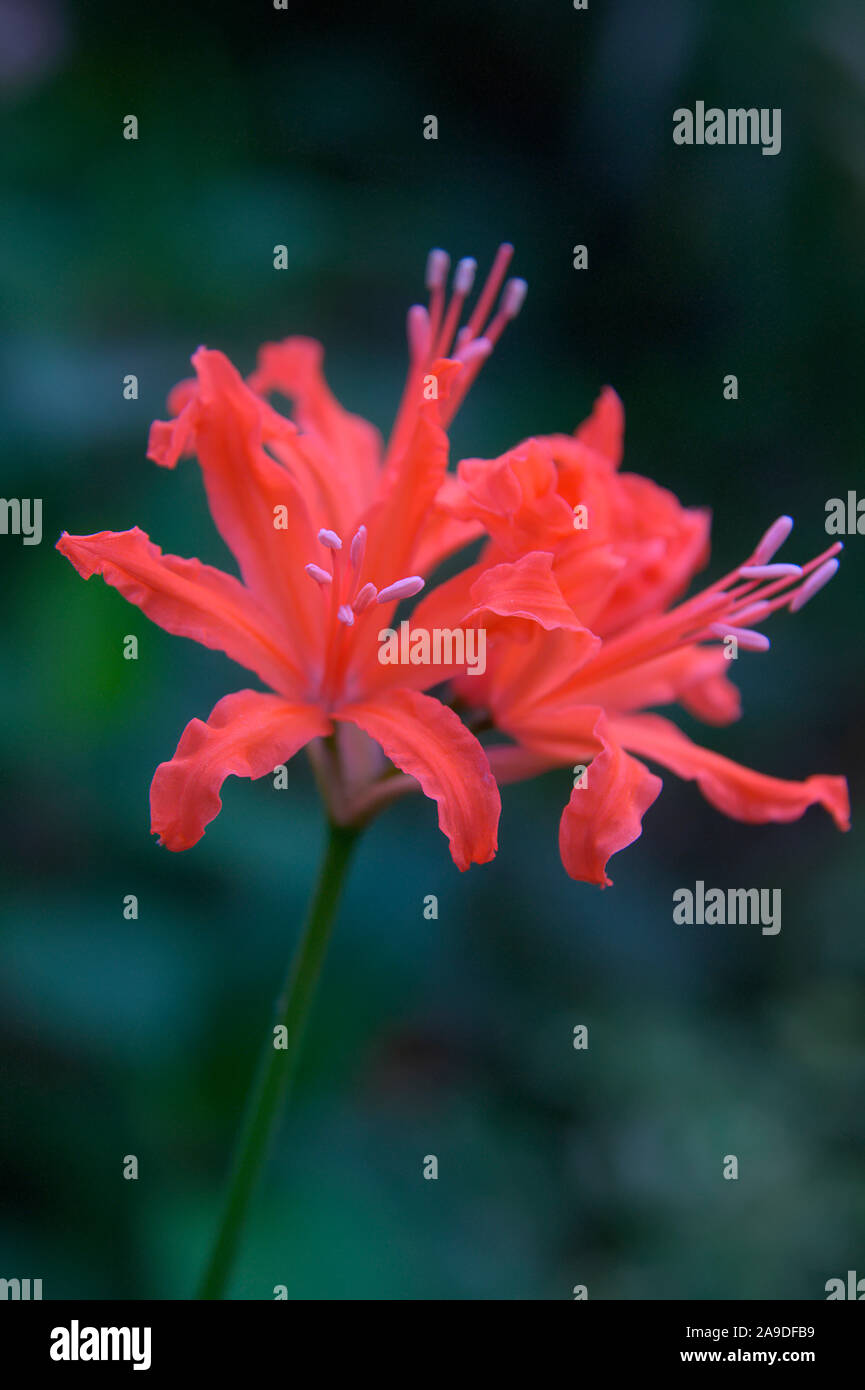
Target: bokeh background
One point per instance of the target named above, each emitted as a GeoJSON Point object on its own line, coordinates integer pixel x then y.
{"type": "Point", "coordinates": [452, 1037]}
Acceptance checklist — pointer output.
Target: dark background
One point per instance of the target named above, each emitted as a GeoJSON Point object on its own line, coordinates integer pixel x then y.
{"type": "Point", "coordinates": [451, 1037]}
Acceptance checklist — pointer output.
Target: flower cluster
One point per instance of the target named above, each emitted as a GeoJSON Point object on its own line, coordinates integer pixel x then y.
{"type": "Point", "coordinates": [578, 585]}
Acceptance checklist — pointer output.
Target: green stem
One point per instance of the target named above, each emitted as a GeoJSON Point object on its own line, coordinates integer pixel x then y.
{"type": "Point", "coordinates": [277, 1065]}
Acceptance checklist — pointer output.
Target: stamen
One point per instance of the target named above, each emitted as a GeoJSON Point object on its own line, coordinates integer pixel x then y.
{"type": "Point", "coordinates": [478, 348]}
{"type": "Point", "coordinates": [491, 288]}
{"type": "Point", "coordinates": [345, 615]}
{"type": "Point", "coordinates": [403, 588]}
{"type": "Point", "coordinates": [754, 613]}
{"type": "Point", "coordinates": [514, 297]}
{"type": "Point", "coordinates": [748, 640]}
{"type": "Point", "coordinates": [473, 355]}
{"type": "Point", "coordinates": [437, 267]}
{"type": "Point", "coordinates": [358, 548]}
{"type": "Point", "coordinates": [771, 571]}
{"type": "Point", "coordinates": [419, 333]}
{"type": "Point", "coordinates": [813, 584]}
{"type": "Point", "coordinates": [431, 334]}
{"type": "Point", "coordinates": [366, 596]}
{"type": "Point", "coordinates": [464, 276]}
{"type": "Point", "coordinates": [319, 575]}
{"type": "Point", "coordinates": [773, 539]}
{"type": "Point", "coordinates": [463, 281]}
{"type": "Point", "coordinates": [330, 539]}
{"type": "Point", "coordinates": [511, 303]}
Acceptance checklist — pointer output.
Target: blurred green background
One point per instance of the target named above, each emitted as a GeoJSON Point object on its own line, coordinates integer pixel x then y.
{"type": "Point", "coordinates": [453, 1037]}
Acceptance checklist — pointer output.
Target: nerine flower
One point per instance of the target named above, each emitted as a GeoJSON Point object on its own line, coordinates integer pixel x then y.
{"type": "Point", "coordinates": [621, 551]}
{"type": "Point", "coordinates": [579, 585]}
{"type": "Point", "coordinates": [330, 534]}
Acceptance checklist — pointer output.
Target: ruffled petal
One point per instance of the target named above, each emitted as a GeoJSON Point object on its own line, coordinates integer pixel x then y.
{"type": "Point", "coordinates": [606, 814]}
{"type": "Point", "coordinates": [257, 505]}
{"type": "Point", "coordinates": [340, 453]}
{"type": "Point", "coordinates": [429, 742]}
{"type": "Point", "coordinates": [665, 544]}
{"type": "Point", "coordinates": [248, 734]}
{"type": "Point", "coordinates": [188, 599]}
{"type": "Point", "coordinates": [524, 589]}
{"type": "Point", "coordinates": [604, 431]}
{"type": "Point", "coordinates": [515, 497]}
{"type": "Point", "coordinates": [737, 791]}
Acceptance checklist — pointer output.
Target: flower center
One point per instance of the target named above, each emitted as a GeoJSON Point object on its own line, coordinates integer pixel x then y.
{"type": "Point", "coordinates": [348, 598]}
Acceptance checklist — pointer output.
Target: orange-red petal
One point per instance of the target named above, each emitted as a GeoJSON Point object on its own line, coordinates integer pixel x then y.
{"type": "Point", "coordinates": [737, 791]}
{"type": "Point", "coordinates": [524, 588]}
{"type": "Point", "coordinates": [428, 741]}
{"type": "Point", "coordinates": [604, 431]}
{"type": "Point", "coordinates": [245, 486]}
{"type": "Point", "coordinates": [695, 677]}
{"type": "Point", "coordinates": [188, 599]}
{"type": "Point", "coordinates": [605, 814]}
{"type": "Point", "coordinates": [340, 453]}
{"type": "Point", "coordinates": [247, 735]}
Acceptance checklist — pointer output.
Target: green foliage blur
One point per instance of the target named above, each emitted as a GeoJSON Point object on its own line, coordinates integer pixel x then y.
{"type": "Point", "coordinates": [454, 1037]}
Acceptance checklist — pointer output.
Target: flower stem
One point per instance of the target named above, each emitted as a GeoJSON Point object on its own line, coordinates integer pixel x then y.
{"type": "Point", "coordinates": [277, 1065]}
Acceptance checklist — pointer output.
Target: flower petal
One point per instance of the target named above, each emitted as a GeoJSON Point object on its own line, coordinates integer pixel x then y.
{"type": "Point", "coordinates": [398, 519]}
{"type": "Point", "coordinates": [341, 452]}
{"type": "Point", "coordinates": [695, 677]}
{"type": "Point", "coordinates": [606, 814]}
{"type": "Point", "coordinates": [188, 599]}
{"type": "Point", "coordinates": [737, 791]}
{"type": "Point", "coordinates": [515, 497]}
{"type": "Point", "coordinates": [429, 742]}
{"type": "Point", "coordinates": [225, 426]}
{"type": "Point", "coordinates": [525, 589]}
{"type": "Point", "coordinates": [248, 734]}
{"type": "Point", "coordinates": [604, 431]}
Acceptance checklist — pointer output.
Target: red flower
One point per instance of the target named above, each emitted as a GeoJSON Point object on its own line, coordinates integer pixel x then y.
{"type": "Point", "coordinates": [329, 535]}
{"type": "Point", "coordinates": [578, 587]}
{"type": "Point", "coordinates": [613, 642]}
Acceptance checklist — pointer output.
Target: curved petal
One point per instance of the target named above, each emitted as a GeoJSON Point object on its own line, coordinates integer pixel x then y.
{"type": "Point", "coordinates": [442, 535]}
{"type": "Point", "coordinates": [515, 497]}
{"type": "Point", "coordinates": [535, 693]}
{"type": "Point", "coordinates": [525, 589]}
{"type": "Point", "coordinates": [188, 599]}
{"type": "Point", "coordinates": [604, 431]}
{"type": "Point", "coordinates": [247, 735]}
{"type": "Point", "coordinates": [257, 505]}
{"type": "Point", "coordinates": [737, 791]}
{"type": "Point", "coordinates": [341, 453]}
{"type": "Point", "coordinates": [665, 544]}
{"type": "Point", "coordinates": [428, 741]}
{"type": "Point", "coordinates": [397, 521]}
{"type": "Point", "coordinates": [605, 814]}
